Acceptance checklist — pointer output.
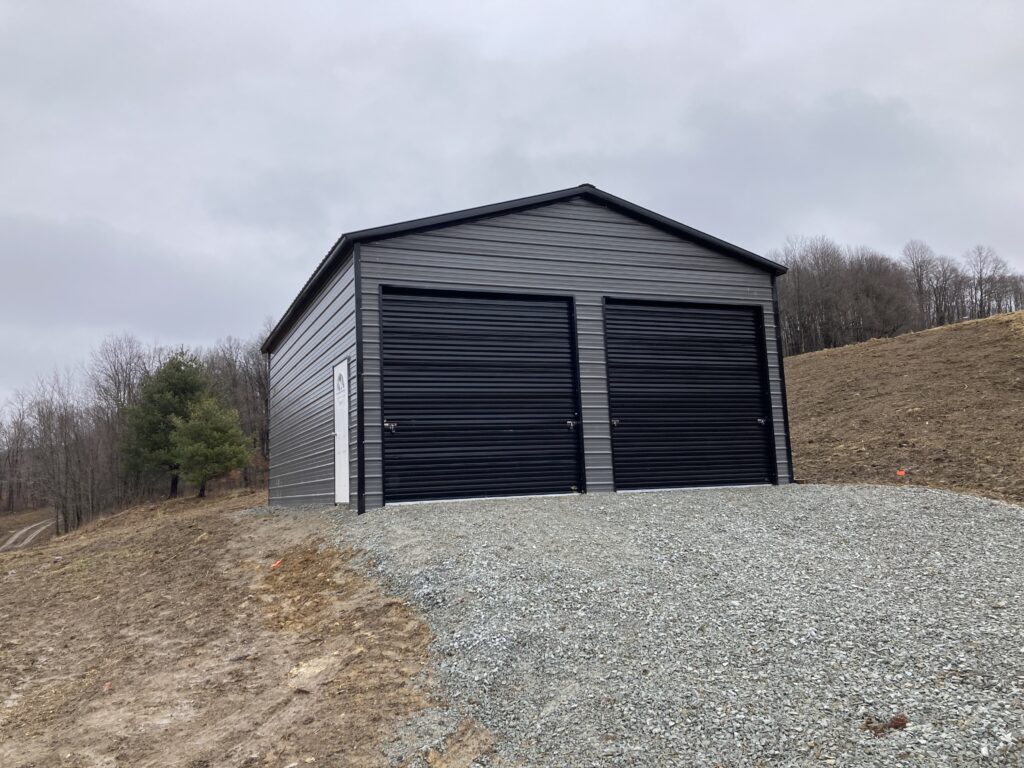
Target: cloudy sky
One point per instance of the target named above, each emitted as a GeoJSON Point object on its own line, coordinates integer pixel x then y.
{"type": "Point", "coordinates": [177, 169]}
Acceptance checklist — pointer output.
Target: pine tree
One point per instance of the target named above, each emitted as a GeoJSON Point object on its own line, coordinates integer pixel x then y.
{"type": "Point", "coordinates": [209, 443]}
{"type": "Point", "coordinates": [166, 395]}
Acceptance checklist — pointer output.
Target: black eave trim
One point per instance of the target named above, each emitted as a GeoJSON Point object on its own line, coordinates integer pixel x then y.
{"type": "Point", "coordinates": [782, 378]}
{"type": "Point", "coordinates": [588, 191]}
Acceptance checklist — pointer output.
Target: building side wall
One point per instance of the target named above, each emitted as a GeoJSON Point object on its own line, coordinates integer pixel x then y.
{"type": "Point", "coordinates": [302, 396]}
{"type": "Point", "coordinates": [575, 248]}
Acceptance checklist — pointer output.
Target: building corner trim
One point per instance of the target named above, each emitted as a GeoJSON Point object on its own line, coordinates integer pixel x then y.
{"type": "Point", "coordinates": [360, 421]}
{"type": "Point", "coordinates": [782, 377]}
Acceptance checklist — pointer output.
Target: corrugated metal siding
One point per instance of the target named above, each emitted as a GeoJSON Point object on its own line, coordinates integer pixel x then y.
{"type": "Point", "coordinates": [302, 396]}
{"type": "Point", "coordinates": [686, 390]}
{"type": "Point", "coordinates": [479, 392]}
{"type": "Point", "coordinates": [574, 248]}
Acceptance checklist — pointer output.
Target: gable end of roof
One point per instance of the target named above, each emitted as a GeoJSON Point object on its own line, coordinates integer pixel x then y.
{"type": "Point", "coordinates": [343, 246]}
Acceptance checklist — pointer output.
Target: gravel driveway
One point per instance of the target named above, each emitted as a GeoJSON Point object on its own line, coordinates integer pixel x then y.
{"type": "Point", "coordinates": [731, 627]}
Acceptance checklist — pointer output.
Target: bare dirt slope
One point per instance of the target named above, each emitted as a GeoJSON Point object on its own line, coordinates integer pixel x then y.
{"type": "Point", "coordinates": [946, 405]}
{"type": "Point", "coordinates": [166, 636]}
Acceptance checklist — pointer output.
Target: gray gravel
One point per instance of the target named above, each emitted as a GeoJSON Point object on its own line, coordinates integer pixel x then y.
{"type": "Point", "coordinates": [732, 627]}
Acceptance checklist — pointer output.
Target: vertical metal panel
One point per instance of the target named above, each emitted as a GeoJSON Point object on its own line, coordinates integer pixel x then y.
{"type": "Point", "coordinates": [478, 395]}
{"type": "Point", "coordinates": [342, 432]}
{"type": "Point", "coordinates": [302, 400]}
{"type": "Point", "coordinates": [782, 380]}
{"type": "Point", "coordinates": [576, 247]}
{"type": "Point", "coordinates": [688, 395]}
{"type": "Point", "coordinates": [360, 483]}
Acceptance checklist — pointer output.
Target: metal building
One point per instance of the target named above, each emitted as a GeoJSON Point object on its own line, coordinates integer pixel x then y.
{"type": "Point", "coordinates": [566, 342]}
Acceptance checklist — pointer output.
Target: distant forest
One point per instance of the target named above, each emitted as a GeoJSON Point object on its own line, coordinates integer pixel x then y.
{"type": "Point", "coordinates": [104, 437]}
{"type": "Point", "coordinates": [835, 295]}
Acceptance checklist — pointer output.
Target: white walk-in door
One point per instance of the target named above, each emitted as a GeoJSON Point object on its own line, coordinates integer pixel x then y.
{"type": "Point", "coordinates": [341, 432]}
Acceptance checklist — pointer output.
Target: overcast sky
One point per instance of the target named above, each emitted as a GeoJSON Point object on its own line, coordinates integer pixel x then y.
{"type": "Point", "coordinates": [177, 169]}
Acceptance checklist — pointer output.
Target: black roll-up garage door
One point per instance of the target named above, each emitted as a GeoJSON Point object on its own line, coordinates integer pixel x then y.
{"type": "Point", "coordinates": [688, 395]}
{"type": "Point", "coordinates": [479, 395]}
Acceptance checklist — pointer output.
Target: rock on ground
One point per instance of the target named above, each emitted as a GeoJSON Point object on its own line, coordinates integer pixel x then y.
{"type": "Point", "coordinates": [752, 626]}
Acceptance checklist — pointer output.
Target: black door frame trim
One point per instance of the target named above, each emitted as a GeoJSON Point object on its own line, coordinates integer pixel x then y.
{"type": "Point", "coordinates": [762, 347]}
{"type": "Point", "coordinates": [581, 469]}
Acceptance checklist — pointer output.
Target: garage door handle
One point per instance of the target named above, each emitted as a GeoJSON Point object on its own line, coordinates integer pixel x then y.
{"type": "Point", "coordinates": [571, 423]}
{"type": "Point", "coordinates": [390, 426]}
{"type": "Point", "coordinates": [762, 422]}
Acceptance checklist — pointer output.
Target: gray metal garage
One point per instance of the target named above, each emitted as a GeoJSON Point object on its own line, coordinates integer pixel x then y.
{"type": "Point", "coordinates": [563, 343]}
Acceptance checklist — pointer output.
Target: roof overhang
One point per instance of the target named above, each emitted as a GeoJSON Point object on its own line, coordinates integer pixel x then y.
{"type": "Point", "coordinates": [343, 247]}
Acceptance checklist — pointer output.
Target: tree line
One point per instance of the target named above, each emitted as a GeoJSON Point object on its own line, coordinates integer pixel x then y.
{"type": "Point", "coordinates": [131, 425]}
{"type": "Point", "coordinates": [835, 295]}
{"type": "Point", "coordinates": [137, 420]}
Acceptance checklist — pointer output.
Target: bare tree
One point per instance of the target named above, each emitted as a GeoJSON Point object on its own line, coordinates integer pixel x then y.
{"type": "Point", "coordinates": [880, 290]}
{"type": "Point", "coordinates": [833, 296]}
{"type": "Point", "coordinates": [60, 434]}
{"type": "Point", "coordinates": [115, 373]}
{"type": "Point", "coordinates": [16, 491]}
{"type": "Point", "coordinates": [986, 270]}
{"type": "Point", "coordinates": [919, 259]}
{"type": "Point", "coordinates": [116, 370]}
{"type": "Point", "coordinates": [238, 375]}
{"type": "Point", "coordinates": [62, 443]}
{"type": "Point", "coordinates": [944, 286]}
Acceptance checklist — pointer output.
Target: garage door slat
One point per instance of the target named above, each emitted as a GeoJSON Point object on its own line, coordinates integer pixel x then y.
{"type": "Point", "coordinates": [686, 390]}
{"type": "Point", "coordinates": [480, 389]}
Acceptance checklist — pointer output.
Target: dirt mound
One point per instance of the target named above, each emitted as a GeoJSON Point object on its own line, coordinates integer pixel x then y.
{"type": "Point", "coordinates": [945, 405]}
{"type": "Point", "coordinates": [193, 634]}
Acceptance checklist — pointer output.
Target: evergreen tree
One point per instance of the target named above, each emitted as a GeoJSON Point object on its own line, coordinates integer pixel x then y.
{"type": "Point", "coordinates": [167, 394]}
{"type": "Point", "coordinates": [209, 443]}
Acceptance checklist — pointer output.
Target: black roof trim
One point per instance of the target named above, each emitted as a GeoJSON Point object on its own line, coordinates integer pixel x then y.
{"type": "Point", "coordinates": [336, 256]}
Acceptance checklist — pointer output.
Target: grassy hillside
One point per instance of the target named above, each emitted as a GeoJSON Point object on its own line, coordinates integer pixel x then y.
{"type": "Point", "coordinates": [192, 633]}
{"type": "Point", "coordinates": [946, 405]}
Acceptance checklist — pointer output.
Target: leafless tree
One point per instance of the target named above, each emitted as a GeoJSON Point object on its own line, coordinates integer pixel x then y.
{"type": "Point", "coordinates": [61, 442]}
{"type": "Point", "coordinates": [16, 491]}
{"type": "Point", "coordinates": [238, 375]}
{"type": "Point", "coordinates": [62, 456]}
{"type": "Point", "coordinates": [116, 371]}
{"type": "Point", "coordinates": [919, 259]}
{"type": "Point", "coordinates": [987, 271]}
{"type": "Point", "coordinates": [834, 295]}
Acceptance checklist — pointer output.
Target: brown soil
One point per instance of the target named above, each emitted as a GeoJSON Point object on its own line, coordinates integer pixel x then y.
{"type": "Point", "coordinates": [945, 405]}
{"type": "Point", "coordinates": [166, 636]}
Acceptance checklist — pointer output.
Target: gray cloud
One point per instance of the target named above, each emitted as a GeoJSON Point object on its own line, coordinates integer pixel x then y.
{"type": "Point", "coordinates": [177, 170]}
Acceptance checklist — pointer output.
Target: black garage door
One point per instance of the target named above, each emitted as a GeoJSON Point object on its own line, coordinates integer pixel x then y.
{"type": "Point", "coordinates": [688, 395]}
{"type": "Point", "coordinates": [479, 396]}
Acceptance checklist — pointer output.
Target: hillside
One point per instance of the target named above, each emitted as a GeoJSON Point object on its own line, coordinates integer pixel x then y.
{"type": "Point", "coordinates": [946, 405]}
{"type": "Point", "coordinates": [195, 633]}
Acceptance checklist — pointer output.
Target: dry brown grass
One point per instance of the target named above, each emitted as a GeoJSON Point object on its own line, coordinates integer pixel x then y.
{"type": "Point", "coordinates": [163, 636]}
{"type": "Point", "coordinates": [946, 405]}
